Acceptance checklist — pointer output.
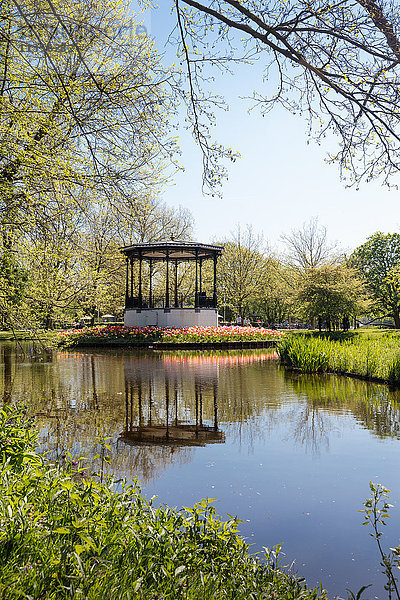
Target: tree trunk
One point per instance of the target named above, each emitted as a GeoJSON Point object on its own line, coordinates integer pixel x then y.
{"type": "Point", "coordinates": [396, 317]}
{"type": "Point", "coordinates": [49, 322]}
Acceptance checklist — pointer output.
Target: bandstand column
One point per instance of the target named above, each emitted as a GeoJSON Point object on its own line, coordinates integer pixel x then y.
{"type": "Point", "coordinates": [196, 292]}
{"type": "Point", "coordinates": [200, 276]}
{"type": "Point", "coordinates": [215, 281]}
{"type": "Point", "coordinates": [140, 280]}
{"type": "Point", "coordinates": [131, 277]}
{"type": "Point", "coordinates": [176, 284]}
{"type": "Point", "coordinates": [127, 281]}
{"type": "Point", "coordinates": [150, 283]}
{"type": "Point", "coordinates": [167, 282]}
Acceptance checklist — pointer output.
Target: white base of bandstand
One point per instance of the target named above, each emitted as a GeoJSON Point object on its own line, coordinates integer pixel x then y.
{"type": "Point", "coordinates": [171, 317]}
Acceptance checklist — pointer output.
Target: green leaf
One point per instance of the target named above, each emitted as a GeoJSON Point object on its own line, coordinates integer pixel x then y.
{"type": "Point", "coordinates": [63, 530]}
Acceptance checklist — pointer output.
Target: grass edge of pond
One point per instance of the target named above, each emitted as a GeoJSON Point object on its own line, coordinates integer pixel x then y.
{"type": "Point", "coordinates": [373, 359]}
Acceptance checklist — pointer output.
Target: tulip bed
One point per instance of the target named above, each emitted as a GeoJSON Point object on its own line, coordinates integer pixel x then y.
{"type": "Point", "coordinates": [116, 334]}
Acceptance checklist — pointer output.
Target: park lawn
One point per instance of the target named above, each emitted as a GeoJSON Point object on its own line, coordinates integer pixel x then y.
{"type": "Point", "coordinates": [375, 333]}
{"type": "Point", "coordinates": [16, 335]}
{"type": "Point", "coordinates": [362, 332]}
{"type": "Point", "coordinates": [28, 335]}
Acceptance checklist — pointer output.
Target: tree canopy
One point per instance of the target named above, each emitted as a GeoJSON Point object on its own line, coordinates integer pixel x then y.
{"type": "Point", "coordinates": [332, 293]}
{"type": "Point", "coordinates": [82, 106]}
{"type": "Point", "coordinates": [378, 261]}
{"type": "Point", "coordinates": [308, 247]}
{"type": "Point", "coordinates": [84, 136]}
{"type": "Point", "coordinates": [243, 269]}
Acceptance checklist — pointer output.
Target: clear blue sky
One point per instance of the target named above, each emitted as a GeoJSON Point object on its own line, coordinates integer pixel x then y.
{"type": "Point", "coordinates": [281, 181]}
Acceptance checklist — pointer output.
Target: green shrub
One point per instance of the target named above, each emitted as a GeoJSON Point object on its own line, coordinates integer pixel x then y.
{"type": "Point", "coordinates": [66, 536]}
{"type": "Point", "coordinates": [17, 439]}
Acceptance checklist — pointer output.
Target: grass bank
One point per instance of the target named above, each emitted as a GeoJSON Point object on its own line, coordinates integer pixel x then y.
{"type": "Point", "coordinates": [65, 535]}
{"type": "Point", "coordinates": [24, 335]}
{"type": "Point", "coordinates": [375, 357]}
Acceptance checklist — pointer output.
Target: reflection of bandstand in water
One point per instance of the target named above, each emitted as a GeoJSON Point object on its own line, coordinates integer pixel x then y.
{"type": "Point", "coordinates": [152, 415]}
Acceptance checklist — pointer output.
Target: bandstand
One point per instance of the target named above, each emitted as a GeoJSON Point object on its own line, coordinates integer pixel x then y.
{"type": "Point", "coordinates": [144, 307]}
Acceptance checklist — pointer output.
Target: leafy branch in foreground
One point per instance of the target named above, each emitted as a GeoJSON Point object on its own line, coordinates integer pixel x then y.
{"type": "Point", "coordinates": [376, 512]}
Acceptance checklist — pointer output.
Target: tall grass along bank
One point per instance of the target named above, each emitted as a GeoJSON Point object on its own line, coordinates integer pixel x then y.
{"type": "Point", "coordinates": [65, 535]}
{"type": "Point", "coordinates": [377, 359]}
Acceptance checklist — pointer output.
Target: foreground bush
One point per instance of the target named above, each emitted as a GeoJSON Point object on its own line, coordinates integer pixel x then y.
{"type": "Point", "coordinates": [104, 334]}
{"type": "Point", "coordinates": [66, 536]}
{"type": "Point", "coordinates": [368, 358]}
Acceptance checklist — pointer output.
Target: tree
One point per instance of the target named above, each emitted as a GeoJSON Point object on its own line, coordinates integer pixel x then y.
{"type": "Point", "coordinates": [62, 274]}
{"type": "Point", "coordinates": [333, 293]}
{"type": "Point", "coordinates": [378, 262]}
{"type": "Point", "coordinates": [82, 106]}
{"type": "Point", "coordinates": [308, 247]}
{"type": "Point", "coordinates": [13, 282]}
{"type": "Point", "coordinates": [147, 219]}
{"type": "Point", "coordinates": [83, 129]}
{"type": "Point", "coordinates": [134, 220]}
{"type": "Point", "coordinates": [275, 303]}
{"type": "Point", "coordinates": [337, 62]}
{"type": "Point", "coordinates": [242, 269]}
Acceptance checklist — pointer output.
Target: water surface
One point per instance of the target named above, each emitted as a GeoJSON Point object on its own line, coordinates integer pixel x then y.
{"type": "Point", "coordinates": [291, 455]}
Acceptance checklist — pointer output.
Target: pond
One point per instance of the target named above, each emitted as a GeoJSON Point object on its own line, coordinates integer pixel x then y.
{"type": "Point", "coordinates": [291, 455]}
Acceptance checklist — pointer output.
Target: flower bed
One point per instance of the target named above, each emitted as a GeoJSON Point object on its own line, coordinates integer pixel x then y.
{"type": "Point", "coordinates": [114, 334]}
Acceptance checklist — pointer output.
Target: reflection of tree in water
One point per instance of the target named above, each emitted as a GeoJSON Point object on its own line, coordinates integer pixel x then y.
{"type": "Point", "coordinates": [375, 406]}
{"type": "Point", "coordinates": [246, 393]}
{"type": "Point", "coordinates": [147, 462]}
{"type": "Point", "coordinates": [81, 395]}
{"type": "Point", "coordinates": [71, 424]}
{"type": "Point", "coordinates": [142, 462]}
{"type": "Point", "coordinates": [6, 360]}
{"type": "Point", "coordinates": [12, 355]}
{"type": "Point", "coordinates": [310, 429]}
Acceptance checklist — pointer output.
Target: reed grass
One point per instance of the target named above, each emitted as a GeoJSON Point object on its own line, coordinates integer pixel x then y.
{"type": "Point", "coordinates": [376, 358]}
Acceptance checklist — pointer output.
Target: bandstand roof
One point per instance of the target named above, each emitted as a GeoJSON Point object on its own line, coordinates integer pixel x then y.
{"type": "Point", "coordinates": [175, 250]}
{"type": "Point", "coordinates": [173, 435]}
